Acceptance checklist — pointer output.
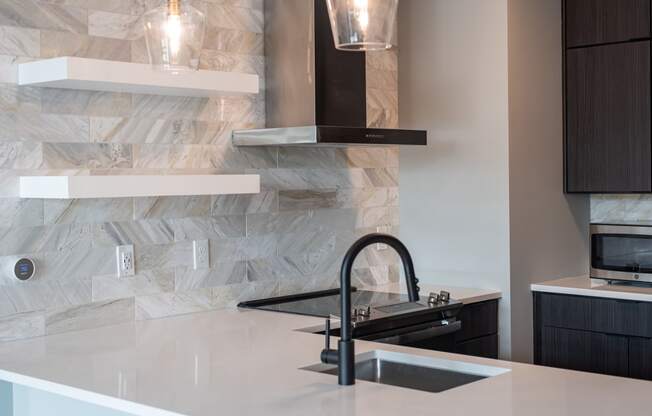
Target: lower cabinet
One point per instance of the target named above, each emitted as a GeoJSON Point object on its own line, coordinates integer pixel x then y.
{"type": "Point", "coordinates": [479, 334]}
{"type": "Point", "coordinates": [604, 340]}
{"type": "Point", "coordinates": [640, 358]}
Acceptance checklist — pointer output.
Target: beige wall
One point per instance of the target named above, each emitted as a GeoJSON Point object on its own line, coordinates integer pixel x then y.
{"type": "Point", "coordinates": [454, 193]}
{"type": "Point", "coordinates": [548, 230]}
{"type": "Point", "coordinates": [483, 205]}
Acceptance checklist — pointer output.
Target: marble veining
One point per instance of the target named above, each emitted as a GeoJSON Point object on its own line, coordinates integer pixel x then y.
{"type": "Point", "coordinates": [42, 15]}
{"type": "Point", "coordinates": [289, 238]}
{"type": "Point", "coordinates": [55, 43]}
{"type": "Point", "coordinates": [19, 41]}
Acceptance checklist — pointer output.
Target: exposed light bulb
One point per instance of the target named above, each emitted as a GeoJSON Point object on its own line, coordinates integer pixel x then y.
{"type": "Point", "coordinates": [361, 13]}
{"type": "Point", "coordinates": [174, 31]}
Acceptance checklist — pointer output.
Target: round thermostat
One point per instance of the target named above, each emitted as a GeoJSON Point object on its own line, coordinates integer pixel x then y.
{"type": "Point", "coordinates": [24, 269]}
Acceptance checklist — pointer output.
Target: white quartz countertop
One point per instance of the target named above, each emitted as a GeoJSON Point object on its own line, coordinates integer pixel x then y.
{"type": "Point", "coordinates": [246, 362]}
{"type": "Point", "coordinates": [584, 286]}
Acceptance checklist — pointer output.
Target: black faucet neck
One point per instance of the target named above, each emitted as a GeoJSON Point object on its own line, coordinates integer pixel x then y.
{"type": "Point", "coordinates": [346, 355]}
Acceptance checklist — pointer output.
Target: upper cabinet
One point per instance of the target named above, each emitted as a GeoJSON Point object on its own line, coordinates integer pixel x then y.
{"type": "Point", "coordinates": [608, 111]}
{"type": "Point", "coordinates": [608, 118]}
{"type": "Point", "coordinates": [593, 22]}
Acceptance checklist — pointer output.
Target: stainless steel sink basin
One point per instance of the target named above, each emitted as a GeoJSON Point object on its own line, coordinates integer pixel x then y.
{"type": "Point", "coordinates": [414, 371]}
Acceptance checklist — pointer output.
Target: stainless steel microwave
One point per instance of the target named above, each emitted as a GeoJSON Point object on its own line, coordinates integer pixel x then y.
{"type": "Point", "coordinates": [621, 252]}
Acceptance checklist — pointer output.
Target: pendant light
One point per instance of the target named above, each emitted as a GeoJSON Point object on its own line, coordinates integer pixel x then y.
{"type": "Point", "coordinates": [362, 25]}
{"type": "Point", "coordinates": [174, 34]}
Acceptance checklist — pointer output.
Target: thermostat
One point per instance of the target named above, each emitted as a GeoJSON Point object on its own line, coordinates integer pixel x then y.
{"type": "Point", "coordinates": [24, 269]}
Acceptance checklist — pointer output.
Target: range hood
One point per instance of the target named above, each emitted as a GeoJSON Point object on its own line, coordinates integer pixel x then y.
{"type": "Point", "coordinates": [315, 94]}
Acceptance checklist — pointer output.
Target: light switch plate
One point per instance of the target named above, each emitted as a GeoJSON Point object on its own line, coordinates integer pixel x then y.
{"type": "Point", "coordinates": [200, 254]}
{"type": "Point", "coordinates": [126, 262]}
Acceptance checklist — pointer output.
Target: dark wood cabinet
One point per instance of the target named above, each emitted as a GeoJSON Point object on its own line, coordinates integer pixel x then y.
{"type": "Point", "coordinates": [640, 358]}
{"type": "Point", "coordinates": [608, 342]}
{"type": "Point", "coordinates": [593, 22]}
{"type": "Point", "coordinates": [478, 336]}
{"type": "Point", "coordinates": [479, 333]}
{"type": "Point", "coordinates": [622, 317]}
{"type": "Point", "coordinates": [566, 348]}
{"type": "Point", "coordinates": [608, 126]}
{"type": "Point", "coordinates": [486, 346]}
{"type": "Point", "coordinates": [607, 96]}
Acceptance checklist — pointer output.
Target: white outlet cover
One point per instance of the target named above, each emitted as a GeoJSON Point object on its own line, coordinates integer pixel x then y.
{"type": "Point", "coordinates": [200, 254]}
{"type": "Point", "coordinates": [125, 260]}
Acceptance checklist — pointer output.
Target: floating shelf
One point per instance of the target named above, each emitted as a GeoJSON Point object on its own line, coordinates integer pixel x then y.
{"type": "Point", "coordinates": [121, 186]}
{"type": "Point", "coordinates": [102, 75]}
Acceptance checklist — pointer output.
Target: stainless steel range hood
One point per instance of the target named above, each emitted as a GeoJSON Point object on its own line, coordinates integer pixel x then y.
{"type": "Point", "coordinates": [315, 94]}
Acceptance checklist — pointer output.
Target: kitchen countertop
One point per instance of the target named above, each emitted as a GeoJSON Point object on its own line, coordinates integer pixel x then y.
{"type": "Point", "coordinates": [248, 362]}
{"type": "Point", "coordinates": [584, 286]}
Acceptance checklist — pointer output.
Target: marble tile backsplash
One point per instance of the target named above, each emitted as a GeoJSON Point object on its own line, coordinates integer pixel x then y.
{"type": "Point", "coordinates": [289, 238]}
{"type": "Point", "coordinates": [621, 208]}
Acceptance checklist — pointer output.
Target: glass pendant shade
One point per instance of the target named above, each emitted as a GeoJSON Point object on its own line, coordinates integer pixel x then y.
{"type": "Point", "coordinates": [362, 25]}
{"type": "Point", "coordinates": [174, 34]}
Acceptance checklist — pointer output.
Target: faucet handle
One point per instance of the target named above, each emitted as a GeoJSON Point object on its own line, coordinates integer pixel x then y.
{"type": "Point", "coordinates": [327, 334]}
{"type": "Point", "coordinates": [328, 356]}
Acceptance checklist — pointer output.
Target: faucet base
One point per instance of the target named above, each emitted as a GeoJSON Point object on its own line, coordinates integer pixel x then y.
{"type": "Point", "coordinates": [346, 364]}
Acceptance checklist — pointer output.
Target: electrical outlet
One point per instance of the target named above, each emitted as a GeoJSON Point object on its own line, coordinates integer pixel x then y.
{"type": "Point", "coordinates": [125, 257]}
{"type": "Point", "coordinates": [383, 229]}
{"type": "Point", "coordinates": [200, 254]}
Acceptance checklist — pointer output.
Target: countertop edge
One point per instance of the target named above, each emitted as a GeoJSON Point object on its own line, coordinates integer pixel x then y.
{"type": "Point", "coordinates": [573, 286]}
{"type": "Point", "coordinates": [85, 396]}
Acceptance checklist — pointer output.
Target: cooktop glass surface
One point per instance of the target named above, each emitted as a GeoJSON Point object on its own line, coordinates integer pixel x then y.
{"type": "Point", "coordinates": [326, 306]}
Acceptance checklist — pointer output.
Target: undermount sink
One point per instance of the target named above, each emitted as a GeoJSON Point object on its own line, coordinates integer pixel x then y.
{"type": "Point", "coordinates": [413, 371]}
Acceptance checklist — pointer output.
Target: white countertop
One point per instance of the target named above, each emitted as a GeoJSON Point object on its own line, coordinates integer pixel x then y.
{"type": "Point", "coordinates": [584, 286]}
{"type": "Point", "coordinates": [234, 362]}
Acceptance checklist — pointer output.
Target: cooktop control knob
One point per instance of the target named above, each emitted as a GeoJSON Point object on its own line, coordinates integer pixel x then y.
{"type": "Point", "coordinates": [444, 296]}
{"type": "Point", "coordinates": [433, 298]}
{"type": "Point", "coordinates": [365, 311]}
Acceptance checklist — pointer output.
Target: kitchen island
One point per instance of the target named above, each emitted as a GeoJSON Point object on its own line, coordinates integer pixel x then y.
{"type": "Point", "coordinates": [250, 363]}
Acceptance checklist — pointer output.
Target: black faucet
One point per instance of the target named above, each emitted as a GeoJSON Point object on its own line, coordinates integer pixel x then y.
{"type": "Point", "coordinates": [344, 356]}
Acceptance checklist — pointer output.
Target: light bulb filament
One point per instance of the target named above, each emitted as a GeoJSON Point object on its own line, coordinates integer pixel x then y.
{"type": "Point", "coordinates": [361, 13]}
{"type": "Point", "coordinates": [173, 32]}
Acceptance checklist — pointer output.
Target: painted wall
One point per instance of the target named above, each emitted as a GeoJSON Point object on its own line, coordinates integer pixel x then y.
{"type": "Point", "coordinates": [548, 230]}
{"type": "Point", "coordinates": [289, 238]}
{"type": "Point", "coordinates": [483, 204]}
{"type": "Point", "coordinates": [455, 192]}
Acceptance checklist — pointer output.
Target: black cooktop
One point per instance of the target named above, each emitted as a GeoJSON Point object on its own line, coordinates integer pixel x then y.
{"type": "Point", "coordinates": [387, 310]}
{"type": "Point", "coordinates": [326, 303]}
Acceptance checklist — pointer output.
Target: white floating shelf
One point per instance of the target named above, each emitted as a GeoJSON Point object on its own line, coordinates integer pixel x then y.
{"type": "Point", "coordinates": [102, 75]}
{"type": "Point", "coordinates": [120, 186]}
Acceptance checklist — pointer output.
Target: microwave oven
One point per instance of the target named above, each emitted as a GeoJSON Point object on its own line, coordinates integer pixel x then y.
{"type": "Point", "coordinates": [621, 252]}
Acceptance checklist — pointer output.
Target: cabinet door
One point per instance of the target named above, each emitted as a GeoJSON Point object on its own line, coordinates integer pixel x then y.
{"type": "Point", "coordinates": [640, 358]}
{"type": "Point", "coordinates": [608, 130]}
{"type": "Point", "coordinates": [480, 347]}
{"type": "Point", "coordinates": [591, 22]}
{"type": "Point", "coordinates": [584, 351]}
{"type": "Point", "coordinates": [566, 348]}
{"type": "Point", "coordinates": [565, 311]}
{"type": "Point", "coordinates": [623, 317]}
{"type": "Point", "coordinates": [478, 319]}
